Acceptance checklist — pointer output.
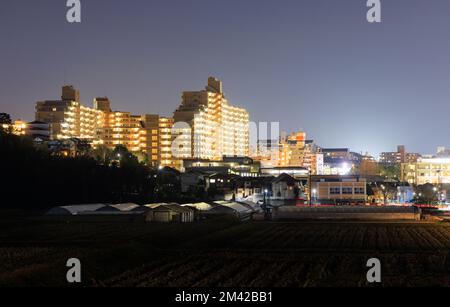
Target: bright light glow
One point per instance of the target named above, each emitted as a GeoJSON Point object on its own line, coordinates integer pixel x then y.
{"type": "Point", "coordinates": [345, 169]}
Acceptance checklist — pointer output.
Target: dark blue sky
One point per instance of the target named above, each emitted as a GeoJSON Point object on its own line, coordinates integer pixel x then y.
{"type": "Point", "coordinates": [316, 65]}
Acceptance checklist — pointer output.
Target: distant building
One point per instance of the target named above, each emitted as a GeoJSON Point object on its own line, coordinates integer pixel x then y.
{"type": "Point", "coordinates": [338, 190]}
{"type": "Point", "coordinates": [149, 133]}
{"type": "Point", "coordinates": [400, 156]}
{"type": "Point", "coordinates": [222, 186]}
{"type": "Point", "coordinates": [242, 166]}
{"type": "Point", "coordinates": [72, 147]}
{"type": "Point", "coordinates": [38, 130]}
{"type": "Point", "coordinates": [268, 152]}
{"type": "Point", "coordinates": [296, 172]}
{"type": "Point", "coordinates": [215, 127]}
{"type": "Point", "coordinates": [169, 213]}
{"type": "Point", "coordinates": [291, 151]}
{"type": "Point", "coordinates": [158, 135]}
{"type": "Point", "coordinates": [17, 128]}
{"type": "Point", "coordinates": [435, 170]}
{"type": "Point", "coordinates": [67, 117]}
{"type": "Point", "coordinates": [286, 187]}
{"type": "Point", "coordinates": [340, 161]}
{"type": "Point", "coordinates": [443, 152]}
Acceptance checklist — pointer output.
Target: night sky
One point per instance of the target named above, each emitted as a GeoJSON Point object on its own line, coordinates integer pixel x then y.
{"type": "Point", "coordinates": [316, 65]}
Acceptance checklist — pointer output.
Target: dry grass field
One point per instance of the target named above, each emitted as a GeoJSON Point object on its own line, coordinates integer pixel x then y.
{"type": "Point", "coordinates": [33, 252]}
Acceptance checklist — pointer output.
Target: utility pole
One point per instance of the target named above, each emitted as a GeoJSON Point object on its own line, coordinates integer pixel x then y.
{"type": "Point", "coordinates": [310, 188]}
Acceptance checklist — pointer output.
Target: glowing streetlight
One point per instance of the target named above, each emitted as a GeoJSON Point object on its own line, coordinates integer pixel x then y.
{"type": "Point", "coordinates": [314, 193]}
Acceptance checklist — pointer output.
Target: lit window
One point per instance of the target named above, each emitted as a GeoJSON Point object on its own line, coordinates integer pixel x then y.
{"type": "Point", "coordinates": [335, 190]}
{"type": "Point", "coordinates": [347, 191]}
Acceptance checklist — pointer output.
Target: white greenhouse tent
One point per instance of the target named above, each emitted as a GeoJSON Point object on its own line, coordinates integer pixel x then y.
{"type": "Point", "coordinates": [200, 206]}
{"type": "Point", "coordinates": [129, 207]}
{"type": "Point", "coordinates": [75, 209]}
{"type": "Point", "coordinates": [243, 211]}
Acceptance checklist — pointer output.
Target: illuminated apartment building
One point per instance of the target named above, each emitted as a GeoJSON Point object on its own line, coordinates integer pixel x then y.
{"type": "Point", "coordinates": [296, 151]}
{"type": "Point", "coordinates": [158, 143]}
{"type": "Point", "coordinates": [122, 128]}
{"type": "Point", "coordinates": [427, 170]}
{"type": "Point", "coordinates": [267, 153]}
{"type": "Point", "coordinates": [67, 117]}
{"type": "Point", "coordinates": [216, 128]}
{"type": "Point", "coordinates": [150, 134]}
{"type": "Point", "coordinates": [119, 128]}
{"type": "Point", "coordinates": [292, 149]}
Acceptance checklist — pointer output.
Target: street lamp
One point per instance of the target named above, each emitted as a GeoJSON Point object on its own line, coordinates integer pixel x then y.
{"type": "Point", "coordinates": [310, 188]}
{"type": "Point", "coordinates": [314, 192]}
{"type": "Point", "coordinates": [265, 193]}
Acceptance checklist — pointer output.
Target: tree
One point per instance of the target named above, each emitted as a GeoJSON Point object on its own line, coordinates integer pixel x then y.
{"type": "Point", "coordinates": [5, 120]}
{"type": "Point", "coordinates": [368, 168]}
{"type": "Point", "coordinates": [124, 157]}
{"type": "Point", "coordinates": [142, 158]}
{"type": "Point", "coordinates": [390, 171]}
{"type": "Point", "coordinates": [102, 154]}
{"type": "Point", "coordinates": [426, 194]}
{"type": "Point", "coordinates": [388, 191]}
{"type": "Point", "coordinates": [73, 180]}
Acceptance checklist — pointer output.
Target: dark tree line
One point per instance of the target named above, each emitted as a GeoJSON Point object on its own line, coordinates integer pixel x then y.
{"type": "Point", "coordinates": [35, 179]}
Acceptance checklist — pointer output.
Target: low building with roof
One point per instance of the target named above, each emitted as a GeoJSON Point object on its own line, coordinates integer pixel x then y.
{"type": "Point", "coordinates": [169, 213]}
{"type": "Point", "coordinates": [286, 187]}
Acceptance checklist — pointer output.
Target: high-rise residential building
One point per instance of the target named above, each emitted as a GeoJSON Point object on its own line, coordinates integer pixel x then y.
{"type": "Point", "coordinates": [150, 134]}
{"type": "Point", "coordinates": [208, 127]}
{"type": "Point", "coordinates": [268, 152]}
{"type": "Point", "coordinates": [67, 117]}
{"type": "Point", "coordinates": [292, 149]}
{"type": "Point", "coordinates": [122, 128]}
{"type": "Point", "coordinates": [119, 128]}
{"type": "Point", "coordinates": [158, 145]}
{"type": "Point", "coordinates": [296, 151]}
{"type": "Point", "coordinates": [400, 156]}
